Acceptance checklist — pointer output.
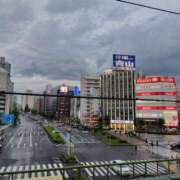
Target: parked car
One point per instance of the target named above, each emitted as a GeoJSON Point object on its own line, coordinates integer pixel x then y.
{"type": "Point", "coordinates": [124, 169]}
{"type": "Point", "coordinates": [175, 146]}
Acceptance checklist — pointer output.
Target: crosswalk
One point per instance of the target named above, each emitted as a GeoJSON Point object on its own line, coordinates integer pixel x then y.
{"type": "Point", "coordinates": [43, 173]}
{"type": "Point", "coordinates": [139, 169]}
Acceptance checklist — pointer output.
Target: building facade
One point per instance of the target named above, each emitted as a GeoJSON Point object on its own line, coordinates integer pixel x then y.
{"type": "Point", "coordinates": [89, 108]}
{"type": "Point", "coordinates": [157, 88]}
{"type": "Point", "coordinates": [27, 100]}
{"type": "Point", "coordinates": [118, 83]}
{"type": "Point", "coordinates": [5, 85]}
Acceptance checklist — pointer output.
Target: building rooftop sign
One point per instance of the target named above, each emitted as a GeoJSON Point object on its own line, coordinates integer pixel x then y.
{"type": "Point", "coordinates": [124, 62]}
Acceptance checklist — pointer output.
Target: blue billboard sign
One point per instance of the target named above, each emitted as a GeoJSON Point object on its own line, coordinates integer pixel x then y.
{"type": "Point", "coordinates": [7, 119]}
{"type": "Point", "coordinates": [76, 91]}
{"type": "Point", "coordinates": [124, 61]}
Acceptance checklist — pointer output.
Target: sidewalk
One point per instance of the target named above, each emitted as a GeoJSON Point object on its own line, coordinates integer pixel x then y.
{"type": "Point", "coordinates": [158, 150]}
{"type": "Point", "coordinates": [130, 139]}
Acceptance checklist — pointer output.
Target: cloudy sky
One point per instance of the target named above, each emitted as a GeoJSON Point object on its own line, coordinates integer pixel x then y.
{"type": "Point", "coordinates": [55, 41]}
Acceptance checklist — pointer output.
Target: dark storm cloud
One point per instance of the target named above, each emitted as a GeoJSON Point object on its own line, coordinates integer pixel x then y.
{"type": "Point", "coordinates": [64, 39]}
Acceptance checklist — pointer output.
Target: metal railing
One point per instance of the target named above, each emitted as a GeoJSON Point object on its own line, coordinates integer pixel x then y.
{"type": "Point", "coordinates": [170, 166]}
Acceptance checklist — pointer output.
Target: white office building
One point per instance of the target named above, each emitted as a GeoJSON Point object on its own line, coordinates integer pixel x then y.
{"type": "Point", "coordinates": [89, 108]}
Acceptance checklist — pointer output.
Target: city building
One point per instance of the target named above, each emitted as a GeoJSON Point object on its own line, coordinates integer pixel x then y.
{"type": "Point", "coordinates": [118, 82]}
{"type": "Point", "coordinates": [5, 65]}
{"type": "Point", "coordinates": [90, 108]}
{"type": "Point", "coordinates": [5, 85]}
{"type": "Point", "coordinates": [27, 100]}
{"type": "Point", "coordinates": [178, 104]}
{"type": "Point", "coordinates": [75, 103]}
{"type": "Point", "coordinates": [157, 88]}
{"type": "Point", "coordinates": [63, 102]}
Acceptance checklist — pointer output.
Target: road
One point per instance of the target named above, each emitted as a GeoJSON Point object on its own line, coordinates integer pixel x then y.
{"type": "Point", "coordinates": [28, 144]}
{"type": "Point", "coordinates": [27, 147]}
{"type": "Point", "coordinates": [90, 148]}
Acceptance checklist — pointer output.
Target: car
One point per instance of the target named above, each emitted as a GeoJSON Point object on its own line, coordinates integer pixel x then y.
{"type": "Point", "coordinates": [126, 171]}
{"type": "Point", "coordinates": [175, 146]}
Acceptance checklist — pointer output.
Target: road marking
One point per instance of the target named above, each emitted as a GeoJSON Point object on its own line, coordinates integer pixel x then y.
{"type": "Point", "coordinates": [95, 173]}
{"type": "Point", "coordinates": [98, 169]}
{"type": "Point", "coordinates": [19, 175]}
{"type": "Point", "coordinates": [36, 144]}
{"type": "Point", "coordinates": [11, 139]}
{"type": "Point", "coordinates": [110, 169]}
{"type": "Point", "coordinates": [26, 175]}
{"type": "Point", "coordinates": [20, 141]}
{"type": "Point", "coordinates": [39, 173]}
{"type": "Point", "coordinates": [65, 173]}
{"type": "Point", "coordinates": [30, 137]}
{"type": "Point", "coordinates": [2, 169]}
{"type": "Point", "coordinates": [32, 168]}
{"type": "Point", "coordinates": [24, 145]}
{"type": "Point", "coordinates": [51, 172]}
{"type": "Point", "coordinates": [58, 172]}
{"type": "Point", "coordinates": [44, 167]}
{"type": "Point", "coordinates": [87, 171]}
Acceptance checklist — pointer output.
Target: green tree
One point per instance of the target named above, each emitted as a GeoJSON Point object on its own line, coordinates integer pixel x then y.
{"type": "Point", "coordinates": [16, 113]}
{"type": "Point", "coordinates": [33, 111]}
{"type": "Point", "coordinates": [161, 122]}
{"type": "Point", "coordinates": [26, 109]}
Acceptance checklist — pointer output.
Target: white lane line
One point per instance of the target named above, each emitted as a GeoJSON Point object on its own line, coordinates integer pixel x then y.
{"type": "Point", "coordinates": [19, 175]}
{"type": "Point", "coordinates": [20, 141]}
{"type": "Point", "coordinates": [44, 167]}
{"type": "Point", "coordinates": [26, 174]}
{"type": "Point", "coordinates": [58, 172]}
{"type": "Point", "coordinates": [36, 144]}
{"type": "Point", "coordinates": [51, 172]}
{"type": "Point", "coordinates": [65, 173]}
{"type": "Point", "coordinates": [32, 168]}
{"type": "Point", "coordinates": [98, 169]}
{"type": "Point", "coordinates": [95, 173]}
{"type": "Point", "coordinates": [87, 171]}
{"type": "Point", "coordinates": [30, 141]}
{"type": "Point", "coordinates": [39, 173]}
{"type": "Point", "coordinates": [110, 169]}
{"type": "Point", "coordinates": [2, 169]}
{"type": "Point", "coordinates": [11, 139]}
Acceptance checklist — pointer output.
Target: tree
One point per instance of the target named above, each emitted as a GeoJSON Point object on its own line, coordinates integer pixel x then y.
{"type": "Point", "coordinates": [161, 122]}
{"type": "Point", "coordinates": [26, 109]}
{"type": "Point", "coordinates": [16, 113]}
{"type": "Point", "coordinates": [33, 111]}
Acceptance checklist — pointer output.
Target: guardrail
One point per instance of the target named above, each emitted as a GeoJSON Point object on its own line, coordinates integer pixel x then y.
{"type": "Point", "coordinates": [170, 166]}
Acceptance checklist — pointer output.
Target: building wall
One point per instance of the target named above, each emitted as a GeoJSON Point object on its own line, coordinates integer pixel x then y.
{"type": "Point", "coordinates": [158, 88]}
{"type": "Point", "coordinates": [5, 85]}
{"type": "Point", "coordinates": [120, 84]}
{"type": "Point", "coordinates": [90, 86]}
{"type": "Point", "coordinates": [29, 100]}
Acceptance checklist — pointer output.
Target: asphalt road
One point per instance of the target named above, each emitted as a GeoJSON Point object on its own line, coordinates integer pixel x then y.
{"type": "Point", "coordinates": [90, 148]}
{"type": "Point", "coordinates": [27, 144]}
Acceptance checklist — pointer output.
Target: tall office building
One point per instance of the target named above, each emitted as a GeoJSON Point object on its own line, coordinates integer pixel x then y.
{"type": "Point", "coordinates": [27, 100]}
{"type": "Point", "coordinates": [89, 108]}
{"type": "Point", "coordinates": [5, 65]}
{"type": "Point", "coordinates": [5, 85]}
{"type": "Point", "coordinates": [118, 82]}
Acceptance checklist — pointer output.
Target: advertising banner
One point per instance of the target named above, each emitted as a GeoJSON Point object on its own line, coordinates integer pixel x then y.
{"type": "Point", "coordinates": [122, 121]}
{"type": "Point", "coordinates": [156, 79]}
{"type": "Point", "coordinates": [171, 118]}
{"type": "Point", "coordinates": [124, 62]}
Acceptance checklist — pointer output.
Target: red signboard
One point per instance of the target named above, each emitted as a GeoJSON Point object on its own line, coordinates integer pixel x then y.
{"type": "Point", "coordinates": [156, 79]}
{"type": "Point", "coordinates": [156, 94]}
{"type": "Point", "coordinates": [141, 108]}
